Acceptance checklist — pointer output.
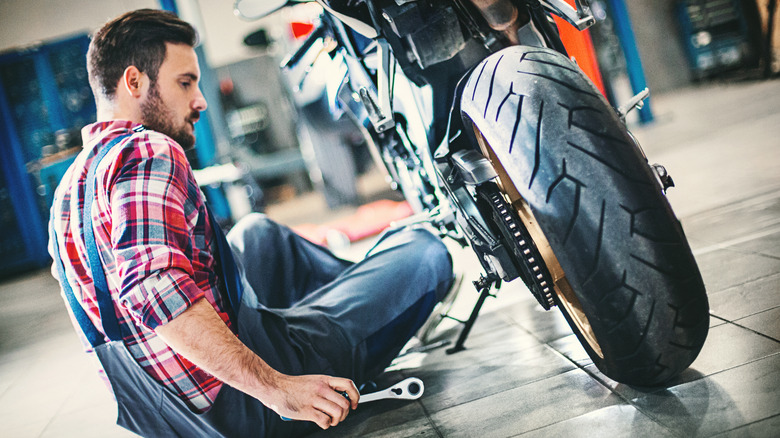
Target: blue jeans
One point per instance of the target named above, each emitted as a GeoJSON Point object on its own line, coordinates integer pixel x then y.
{"type": "Point", "coordinates": [306, 311]}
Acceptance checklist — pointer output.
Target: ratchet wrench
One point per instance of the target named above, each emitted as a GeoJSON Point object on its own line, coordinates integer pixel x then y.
{"type": "Point", "coordinates": [407, 389]}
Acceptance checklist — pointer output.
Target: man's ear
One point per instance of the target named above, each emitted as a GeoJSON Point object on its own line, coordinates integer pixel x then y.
{"type": "Point", "coordinates": [133, 81]}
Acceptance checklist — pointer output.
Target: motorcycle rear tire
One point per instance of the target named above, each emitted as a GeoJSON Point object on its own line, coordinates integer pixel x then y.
{"type": "Point", "coordinates": [562, 147]}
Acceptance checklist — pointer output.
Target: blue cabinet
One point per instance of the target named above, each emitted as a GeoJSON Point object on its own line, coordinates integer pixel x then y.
{"type": "Point", "coordinates": [715, 35]}
{"type": "Point", "coordinates": [44, 101]}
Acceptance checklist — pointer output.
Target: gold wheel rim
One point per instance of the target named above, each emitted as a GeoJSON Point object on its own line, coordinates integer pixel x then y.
{"type": "Point", "coordinates": [564, 292]}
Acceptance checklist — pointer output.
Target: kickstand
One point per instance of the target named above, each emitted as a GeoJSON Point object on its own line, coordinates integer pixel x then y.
{"type": "Point", "coordinates": [483, 286]}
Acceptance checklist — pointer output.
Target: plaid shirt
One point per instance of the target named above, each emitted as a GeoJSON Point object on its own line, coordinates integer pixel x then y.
{"type": "Point", "coordinates": [155, 241]}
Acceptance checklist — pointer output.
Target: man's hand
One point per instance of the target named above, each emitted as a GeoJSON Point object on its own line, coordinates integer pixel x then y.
{"type": "Point", "coordinates": [314, 398]}
{"type": "Point", "coordinates": [200, 335]}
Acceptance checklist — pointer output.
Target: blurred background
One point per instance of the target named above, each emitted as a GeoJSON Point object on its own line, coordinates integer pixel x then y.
{"type": "Point", "coordinates": [268, 141]}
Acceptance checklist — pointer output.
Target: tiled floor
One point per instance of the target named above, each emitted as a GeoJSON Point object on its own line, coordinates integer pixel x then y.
{"type": "Point", "coordinates": [523, 372]}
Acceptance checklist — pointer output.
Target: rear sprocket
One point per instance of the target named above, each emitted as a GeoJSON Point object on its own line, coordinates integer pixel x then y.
{"type": "Point", "coordinates": [528, 260]}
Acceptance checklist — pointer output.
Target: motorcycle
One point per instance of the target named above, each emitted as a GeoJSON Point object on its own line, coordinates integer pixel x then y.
{"type": "Point", "coordinates": [499, 140]}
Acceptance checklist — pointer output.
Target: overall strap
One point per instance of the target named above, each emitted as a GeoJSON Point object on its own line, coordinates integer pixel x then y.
{"type": "Point", "coordinates": [94, 337]}
{"type": "Point", "coordinates": [227, 265]}
{"type": "Point", "coordinates": [105, 303]}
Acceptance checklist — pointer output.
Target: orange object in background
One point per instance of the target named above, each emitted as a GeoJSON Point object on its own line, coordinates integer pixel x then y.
{"type": "Point", "coordinates": [580, 47]}
{"type": "Point", "coordinates": [301, 29]}
{"type": "Point", "coordinates": [368, 220]}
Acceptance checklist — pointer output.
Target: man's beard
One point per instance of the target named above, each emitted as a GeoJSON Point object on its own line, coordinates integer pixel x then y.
{"type": "Point", "coordinates": [157, 117]}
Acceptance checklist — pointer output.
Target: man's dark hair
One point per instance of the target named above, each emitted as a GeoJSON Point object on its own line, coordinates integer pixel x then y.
{"type": "Point", "coordinates": [136, 38]}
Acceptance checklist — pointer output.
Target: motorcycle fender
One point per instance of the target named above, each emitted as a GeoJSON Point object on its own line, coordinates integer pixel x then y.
{"type": "Point", "coordinates": [474, 168]}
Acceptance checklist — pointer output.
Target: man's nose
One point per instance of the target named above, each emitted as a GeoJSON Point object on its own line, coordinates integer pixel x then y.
{"type": "Point", "coordinates": [199, 103]}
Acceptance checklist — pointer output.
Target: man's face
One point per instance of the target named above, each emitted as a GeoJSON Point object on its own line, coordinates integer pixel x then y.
{"type": "Point", "coordinates": [174, 102]}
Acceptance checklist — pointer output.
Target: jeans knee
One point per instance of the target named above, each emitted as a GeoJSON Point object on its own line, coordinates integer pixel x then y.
{"type": "Point", "coordinates": [252, 228]}
{"type": "Point", "coordinates": [429, 253]}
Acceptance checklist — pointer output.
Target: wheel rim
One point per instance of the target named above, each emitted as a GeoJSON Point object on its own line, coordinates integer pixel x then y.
{"type": "Point", "coordinates": [564, 293]}
{"type": "Point", "coordinates": [573, 308]}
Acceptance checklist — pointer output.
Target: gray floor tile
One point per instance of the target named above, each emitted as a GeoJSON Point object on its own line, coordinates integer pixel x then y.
{"type": "Point", "coordinates": [716, 321]}
{"type": "Point", "coordinates": [28, 429]}
{"type": "Point", "coordinates": [526, 408]}
{"type": "Point", "coordinates": [572, 349]}
{"type": "Point", "coordinates": [30, 310]}
{"type": "Point", "coordinates": [760, 429]}
{"type": "Point", "coordinates": [91, 392]}
{"type": "Point", "coordinates": [546, 325]}
{"type": "Point", "coordinates": [722, 402]}
{"type": "Point", "coordinates": [625, 391]}
{"type": "Point", "coordinates": [727, 346]}
{"type": "Point", "coordinates": [711, 171]}
{"type": "Point", "coordinates": [746, 299]}
{"type": "Point", "coordinates": [766, 323]}
{"type": "Point", "coordinates": [36, 377]}
{"type": "Point", "coordinates": [97, 421]}
{"type": "Point", "coordinates": [766, 245]}
{"type": "Point", "coordinates": [454, 387]}
{"type": "Point", "coordinates": [724, 269]}
{"type": "Point", "coordinates": [488, 321]}
{"type": "Point", "coordinates": [418, 428]}
{"type": "Point", "coordinates": [734, 221]}
{"type": "Point", "coordinates": [39, 412]}
{"type": "Point", "coordinates": [487, 324]}
{"type": "Point", "coordinates": [12, 367]}
{"type": "Point", "coordinates": [496, 345]}
{"type": "Point", "coordinates": [612, 421]}
{"type": "Point", "coordinates": [688, 114]}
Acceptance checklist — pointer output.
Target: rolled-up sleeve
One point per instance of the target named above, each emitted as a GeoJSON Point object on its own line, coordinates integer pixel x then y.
{"type": "Point", "coordinates": [151, 219]}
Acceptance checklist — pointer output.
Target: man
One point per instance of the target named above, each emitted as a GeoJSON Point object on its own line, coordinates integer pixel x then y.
{"type": "Point", "coordinates": [191, 343]}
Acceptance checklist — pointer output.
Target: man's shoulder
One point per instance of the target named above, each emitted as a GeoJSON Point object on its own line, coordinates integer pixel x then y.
{"type": "Point", "coordinates": [151, 146]}
{"type": "Point", "coordinates": [152, 143]}
{"type": "Point", "coordinates": [141, 132]}
{"type": "Point", "coordinates": [105, 131]}
{"type": "Point", "coordinates": [136, 145]}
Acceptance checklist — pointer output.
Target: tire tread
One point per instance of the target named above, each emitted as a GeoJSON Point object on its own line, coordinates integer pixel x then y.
{"type": "Point", "coordinates": [601, 209]}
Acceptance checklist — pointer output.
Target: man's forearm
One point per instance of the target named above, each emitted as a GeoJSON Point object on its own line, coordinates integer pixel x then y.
{"type": "Point", "coordinates": [200, 335]}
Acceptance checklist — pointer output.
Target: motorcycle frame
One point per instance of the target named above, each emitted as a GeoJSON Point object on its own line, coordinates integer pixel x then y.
{"type": "Point", "coordinates": [369, 92]}
{"type": "Point", "coordinates": [399, 111]}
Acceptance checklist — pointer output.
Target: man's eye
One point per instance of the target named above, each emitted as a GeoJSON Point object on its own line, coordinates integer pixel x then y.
{"type": "Point", "coordinates": [186, 84]}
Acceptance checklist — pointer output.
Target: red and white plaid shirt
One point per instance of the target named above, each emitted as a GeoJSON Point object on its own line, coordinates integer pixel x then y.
{"type": "Point", "coordinates": [155, 240]}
